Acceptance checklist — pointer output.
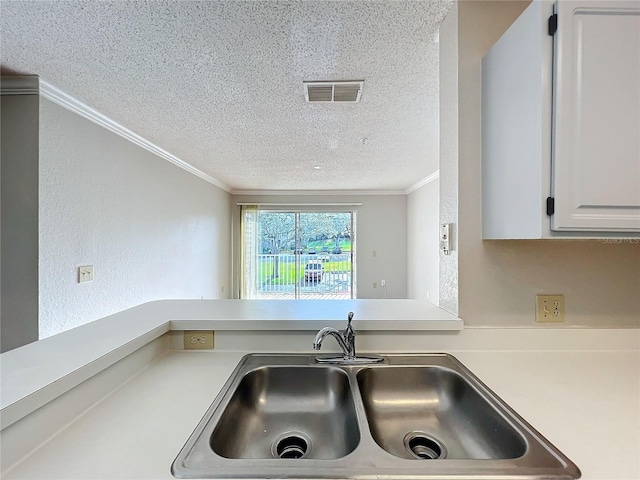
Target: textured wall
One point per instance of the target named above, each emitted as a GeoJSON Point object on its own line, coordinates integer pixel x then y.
{"type": "Point", "coordinates": [498, 280]}
{"type": "Point", "coordinates": [423, 258]}
{"type": "Point", "coordinates": [448, 282]}
{"type": "Point", "coordinates": [19, 311]}
{"type": "Point", "coordinates": [381, 226]}
{"type": "Point", "coordinates": [150, 229]}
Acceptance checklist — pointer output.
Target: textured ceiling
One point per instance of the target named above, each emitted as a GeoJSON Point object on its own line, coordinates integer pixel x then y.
{"type": "Point", "coordinates": [219, 84]}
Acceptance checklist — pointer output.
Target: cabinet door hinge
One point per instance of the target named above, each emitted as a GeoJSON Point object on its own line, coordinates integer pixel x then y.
{"type": "Point", "coordinates": [553, 24]}
{"type": "Point", "coordinates": [551, 205]}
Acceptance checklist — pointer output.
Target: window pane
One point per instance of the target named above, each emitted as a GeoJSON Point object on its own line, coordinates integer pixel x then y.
{"type": "Point", "coordinates": [303, 255]}
{"type": "Point", "coordinates": [326, 242]}
{"type": "Point", "coordinates": [277, 269]}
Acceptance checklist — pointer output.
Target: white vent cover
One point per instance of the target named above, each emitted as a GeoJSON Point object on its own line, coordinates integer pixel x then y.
{"type": "Point", "coordinates": [339, 92]}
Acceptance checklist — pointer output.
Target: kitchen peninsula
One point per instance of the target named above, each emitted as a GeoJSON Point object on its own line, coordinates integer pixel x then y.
{"type": "Point", "coordinates": [118, 398]}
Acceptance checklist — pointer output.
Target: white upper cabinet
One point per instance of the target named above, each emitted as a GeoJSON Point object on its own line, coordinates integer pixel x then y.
{"type": "Point", "coordinates": [597, 116]}
{"type": "Point", "coordinates": [561, 123]}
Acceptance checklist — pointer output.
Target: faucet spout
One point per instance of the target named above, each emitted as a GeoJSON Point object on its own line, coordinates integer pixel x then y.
{"type": "Point", "coordinates": [347, 342]}
{"type": "Point", "coordinates": [346, 339]}
{"type": "Point", "coordinates": [323, 333]}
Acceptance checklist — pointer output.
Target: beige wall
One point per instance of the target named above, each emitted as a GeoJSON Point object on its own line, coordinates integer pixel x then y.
{"type": "Point", "coordinates": [422, 242]}
{"type": "Point", "coordinates": [498, 280]}
{"type": "Point", "coordinates": [381, 226]}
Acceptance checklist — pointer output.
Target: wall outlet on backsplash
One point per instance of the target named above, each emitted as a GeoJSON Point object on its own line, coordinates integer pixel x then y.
{"type": "Point", "coordinates": [549, 308]}
{"type": "Point", "coordinates": [198, 340]}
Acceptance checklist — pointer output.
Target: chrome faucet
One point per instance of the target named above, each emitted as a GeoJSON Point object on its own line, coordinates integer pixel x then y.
{"type": "Point", "coordinates": [346, 339]}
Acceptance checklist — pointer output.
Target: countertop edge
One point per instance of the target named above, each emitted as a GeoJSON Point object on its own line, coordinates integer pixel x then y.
{"type": "Point", "coordinates": [37, 373]}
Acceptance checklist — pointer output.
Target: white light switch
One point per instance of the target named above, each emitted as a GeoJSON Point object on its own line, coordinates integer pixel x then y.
{"type": "Point", "coordinates": [85, 274]}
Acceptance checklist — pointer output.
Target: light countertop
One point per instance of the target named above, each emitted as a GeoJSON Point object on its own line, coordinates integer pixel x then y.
{"type": "Point", "coordinates": [35, 374]}
{"type": "Point", "coordinates": [585, 400]}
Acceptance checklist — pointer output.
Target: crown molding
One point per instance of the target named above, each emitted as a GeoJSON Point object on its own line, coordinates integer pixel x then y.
{"type": "Point", "coordinates": [65, 100]}
{"type": "Point", "coordinates": [19, 85]}
{"type": "Point", "coordinates": [318, 192]}
{"type": "Point", "coordinates": [428, 179]}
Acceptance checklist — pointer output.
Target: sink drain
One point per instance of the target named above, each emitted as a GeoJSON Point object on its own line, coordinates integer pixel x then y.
{"type": "Point", "coordinates": [423, 446]}
{"type": "Point", "coordinates": [291, 445]}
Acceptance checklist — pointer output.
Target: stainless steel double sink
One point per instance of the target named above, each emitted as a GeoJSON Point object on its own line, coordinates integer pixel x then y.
{"type": "Point", "coordinates": [409, 417]}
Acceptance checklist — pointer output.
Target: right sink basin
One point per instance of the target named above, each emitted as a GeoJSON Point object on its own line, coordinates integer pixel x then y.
{"type": "Point", "coordinates": [431, 412]}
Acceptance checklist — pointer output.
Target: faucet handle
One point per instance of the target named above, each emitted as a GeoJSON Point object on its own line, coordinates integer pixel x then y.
{"type": "Point", "coordinates": [350, 337]}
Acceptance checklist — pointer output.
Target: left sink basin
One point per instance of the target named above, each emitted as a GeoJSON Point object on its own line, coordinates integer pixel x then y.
{"type": "Point", "coordinates": [288, 412]}
{"type": "Point", "coordinates": [275, 414]}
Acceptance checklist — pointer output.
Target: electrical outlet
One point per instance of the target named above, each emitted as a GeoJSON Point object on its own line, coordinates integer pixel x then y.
{"type": "Point", "coordinates": [549, 308]}
{"type": "Point", "coordinates": [85, 274]}
{"type": "Point", "coordinates": [383, 282]}
{"type": "Point", "coordinates": [198, 339]}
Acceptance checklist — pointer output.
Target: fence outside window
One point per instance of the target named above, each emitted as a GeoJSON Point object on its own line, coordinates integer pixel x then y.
{"type": "Point", "coordinates": [300, 271]}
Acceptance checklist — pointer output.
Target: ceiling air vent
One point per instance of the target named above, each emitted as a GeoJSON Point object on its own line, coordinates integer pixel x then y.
{"type": "Point", "coordinates": [338, 92]}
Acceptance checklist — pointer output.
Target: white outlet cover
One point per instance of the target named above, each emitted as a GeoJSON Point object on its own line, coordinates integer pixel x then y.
{"type": "Point", "coordinates": [85, 274]}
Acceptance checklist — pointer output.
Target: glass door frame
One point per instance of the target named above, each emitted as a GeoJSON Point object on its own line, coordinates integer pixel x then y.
{"type": "Point", "coordinates": [298, 243]}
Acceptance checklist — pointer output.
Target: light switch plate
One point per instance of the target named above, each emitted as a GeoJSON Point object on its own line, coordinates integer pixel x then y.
{"type": "Point", "coordinates": [549, 308]}
{"type": "Point", "coordinates": [445, 238]}
{"type": "Point", "coordinates": [85, 274]}
{"type": "Point", "coordinates": [198, 339]}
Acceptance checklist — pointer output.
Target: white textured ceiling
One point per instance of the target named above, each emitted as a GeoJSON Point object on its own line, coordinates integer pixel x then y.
{"type": "Point", "coordinates": [219, 84]}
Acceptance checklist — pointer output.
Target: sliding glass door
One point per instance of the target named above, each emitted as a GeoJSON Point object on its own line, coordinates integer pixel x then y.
{"type": "Point", "coordinates": [298, 254]}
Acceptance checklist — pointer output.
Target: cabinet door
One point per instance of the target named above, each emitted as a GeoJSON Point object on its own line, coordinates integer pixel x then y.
{"type": "Point", "coordinates": [596, 157]}
{"type": "Point", "coordinates": [516, 127]}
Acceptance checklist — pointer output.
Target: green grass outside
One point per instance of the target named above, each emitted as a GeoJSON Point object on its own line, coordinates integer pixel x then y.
{"type": "Point", "coordinates": [288, 273]}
